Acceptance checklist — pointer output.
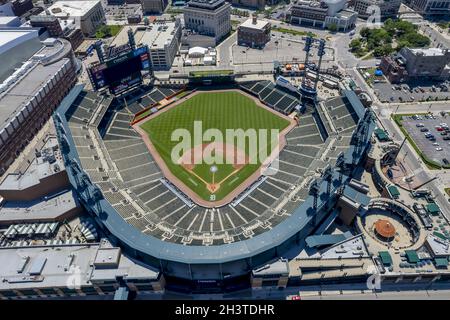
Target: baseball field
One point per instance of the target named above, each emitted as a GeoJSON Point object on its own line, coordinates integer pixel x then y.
{"type": "Point", "coordinates": [232, 162]}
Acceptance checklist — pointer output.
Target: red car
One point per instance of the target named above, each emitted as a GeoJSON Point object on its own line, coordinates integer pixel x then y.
{"type": "Point", "coordinates": [296, 298]}
{"type": "Point", "coordinates": [439, 129]}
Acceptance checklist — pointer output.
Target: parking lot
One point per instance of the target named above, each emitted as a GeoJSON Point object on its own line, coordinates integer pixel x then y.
{"type": "Point", "coordinates": [430, 148]}
{"type": "Point", "coordinates": [281, 48]}
{"type": "Point", "coordinates": [117, 13]}
{"type": "Point", "coordinates": [413, 92]}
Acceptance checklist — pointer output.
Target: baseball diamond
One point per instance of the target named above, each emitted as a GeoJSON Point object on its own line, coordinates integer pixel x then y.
{"type": "Point", "coordinates": [222, 110]}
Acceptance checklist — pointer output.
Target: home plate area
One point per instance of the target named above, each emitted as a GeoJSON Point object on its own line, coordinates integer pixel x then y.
{"type": "Point", "coordinates": [214, 163]}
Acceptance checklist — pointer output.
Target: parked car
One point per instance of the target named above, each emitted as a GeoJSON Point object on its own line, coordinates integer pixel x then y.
{"type": "Point", "coordinates": [445, 161]}
{"type": "Point", "coordinates": [439, 149]}
{"type": "Point", "coordinates": [424, 130]}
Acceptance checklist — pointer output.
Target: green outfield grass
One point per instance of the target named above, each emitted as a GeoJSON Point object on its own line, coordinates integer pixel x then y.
{"type": "Point", "coordinates": [218, 110]}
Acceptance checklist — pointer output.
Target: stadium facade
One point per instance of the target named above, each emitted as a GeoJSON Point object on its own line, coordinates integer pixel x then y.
{"type": "Point", "coordinates": [218, 257]}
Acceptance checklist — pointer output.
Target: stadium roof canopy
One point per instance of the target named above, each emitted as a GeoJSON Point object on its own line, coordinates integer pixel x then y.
{"type": "Point", "coordinates": [356, 196]}
{"type": "Point", "coordinates": [385, 257]}
{"type": "Point", "coordinates": [433, 208]}
{"type": "Point", "coordinates": [412, 256]}
{"type": "Point", "coordinates": [393, 191]}
{"type": "Point", "coordinates": [326, 239]}
{"type": "Point", "coordinates": [441, 262]}
{"type": "Point", "coordinates": [381, 134]}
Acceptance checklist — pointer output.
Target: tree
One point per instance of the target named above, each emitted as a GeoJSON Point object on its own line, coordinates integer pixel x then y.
{"type": "Point", "coordinates": [364, 32]}
{"type": "Point", "coordinates": [355, 44]}
{"type": "Point", "coordinates": [332, 27]}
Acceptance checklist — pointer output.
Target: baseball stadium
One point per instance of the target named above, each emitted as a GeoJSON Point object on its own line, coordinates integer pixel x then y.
{"type": "Point", "coordinates": [158, 171]}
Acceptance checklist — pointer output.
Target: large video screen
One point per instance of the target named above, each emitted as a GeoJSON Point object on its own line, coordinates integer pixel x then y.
{"type": "Point", "coordinates": [122, 72]}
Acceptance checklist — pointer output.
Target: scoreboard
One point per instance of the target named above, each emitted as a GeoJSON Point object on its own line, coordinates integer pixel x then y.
{"type": "Point", "coordinates": [122, 72]}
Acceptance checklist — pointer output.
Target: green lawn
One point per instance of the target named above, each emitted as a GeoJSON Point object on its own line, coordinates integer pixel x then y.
{"type": "Point", "coordinates": [294, 32]}
{"type": "Point", "coordinates": [206, 73]}
{"type": "Point", "coordinates": [106, 31]}
{"type": "Point", "coordinates": [218, 110]}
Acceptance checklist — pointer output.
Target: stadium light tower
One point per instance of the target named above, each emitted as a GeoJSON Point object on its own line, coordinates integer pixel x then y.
{"type": "Point", "coordinates": [308, 43]}
{"type": "Point", "coordinates": [328, 177]}
{"type": "Point", "coordinates": [308, 88]}
{"type": "Point", "coordinates": [131, 39]}
{"type": "Point", "coordinates": [340, 164]}
{"type": "Point", "coordinates": [99, 49]}
{"type": "Point", "coordinates": [320, 53]}
{"type": "Point", "coordinates": [314, 189]}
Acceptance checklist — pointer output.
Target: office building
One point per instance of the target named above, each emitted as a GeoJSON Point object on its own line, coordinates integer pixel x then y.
{"type": "Point", "coordinates": [50, 23]}
{"type": "Point", "coordinates": [253, 4]}
{"type": "Point", "coordinates": [417, 64]}
{"type": "Point", "coordinates": [431, 7]}
{"type": "Point", "coordinates": [323, 14]}
{"type": "Point", "coordinates": [254, 33]}
{"type": "Point", "coordinates": [388, 8]}
{"type": "Point", "coordinates": [208, 18]}
{"type": "Point", "coordinates": [30, 93]}
{"type": "Point", "coordinates": [73, 271]}
{"type": "Point", "coordinates": [88, 15]}
{"type": "Point", "coordinates": [154, 6]}
{"type": "Point", "coordinates": [163, 40]}
{"type": "Point", "coordinates": [56, 27]}
{"type": "Point", "coordinates": [20, 7]}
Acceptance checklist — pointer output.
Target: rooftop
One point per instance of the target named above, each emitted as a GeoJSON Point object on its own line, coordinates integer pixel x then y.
{"type": "Point", "coordinates": [206, 4]}
{"type": "Point", "coordinates": [158, 35]}
{"type": "Point", "coordinates": [279, 266]}
{"type": "Point", "coordinates": [429, 52]}
{"type": "Point", "coordinates": [38, 71]}
{"type": "Point", "coordinates": [439, 247]}
{"type": "Point", "coordinates": [385, 257]}
{"type": "Point", "coordinates": [9, 37]}
{"type": "Point", "coordinates": [356, 196]}
{"type": "Point", "coordinates": [71, 8]}
{"type": "Point", "coordinates": [51, 266]}
{"type": "Point", "coordinates": [44, 166]}
{"type": "Point", "coordinates": [350, 248]}
{"type": "Point", "coordinates": [347, 13]}
{"type": "Point", "coordinates": [326, 239]}
{"type": "Point", "coordinates": [259, 25]}
{"type": "Point", "coordinates": [7, 20]}
{"type": "Point", "coordinates": [49, 208]}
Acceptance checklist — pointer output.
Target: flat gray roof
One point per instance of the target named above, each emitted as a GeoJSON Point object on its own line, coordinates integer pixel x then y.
{"type": "Point", "coordinates": [57, 269]}
{"type": "Point", "coordinates": [158, 35]}
{"type": "Point", "coordinates": [260, 24]}
{"type": "Point", "coordinates": [48, 208]}
{"type": "Point", "coordinates": [18, 95]}
{"type": "Point", "coordinates": [37, 170]}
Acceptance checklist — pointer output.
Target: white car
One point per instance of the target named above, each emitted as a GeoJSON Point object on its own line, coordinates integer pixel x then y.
{"type": "Point", "coordinates": [436, 144]}
{"type": "Point", "coordinates": [444, 125]}
{"type": "Point", "coordinates": [439, 149]}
